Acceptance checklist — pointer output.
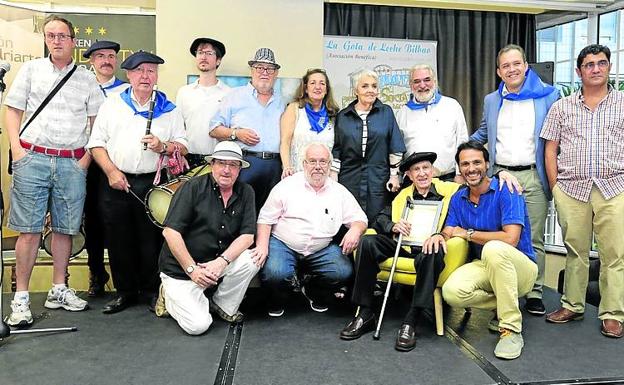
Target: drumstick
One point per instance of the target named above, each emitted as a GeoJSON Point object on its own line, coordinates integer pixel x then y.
{"type": "Point", "coordinates": [136, 196]}
{"type": "Point", "coordinates": [150, 114]}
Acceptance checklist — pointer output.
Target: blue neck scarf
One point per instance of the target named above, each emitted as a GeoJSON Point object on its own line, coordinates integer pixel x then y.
{"type": "Point", "coordinates": [533, 88]}
{"type": "Point", "coordinates": [116, 83]}
{"type": "Point", "coordinates": [414, 105]}
{"type": "Point", "coordinates": [161, 106]}
{"type": "Point", "coordinates": [318, 119]}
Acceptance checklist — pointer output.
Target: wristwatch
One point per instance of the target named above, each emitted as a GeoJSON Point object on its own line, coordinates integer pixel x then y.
{"type": "Point", "coordinates": [470, 232]}
{"type": "Point", "coordinates": [233, 134]}
{"type": "Point", "coordinates": [164, 150]}
{"type": "Point", "coordinates": [225, 259]}
{"type": "Point", "coordinates": [190, 269]}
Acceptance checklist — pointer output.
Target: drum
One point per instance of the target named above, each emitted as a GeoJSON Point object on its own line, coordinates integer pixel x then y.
{"type": "Point", "coordinates": [78, 240]}
{"type": "Point", "coordinates": [199, 170]}
{"type": "Point", "coordinates": [158, 199]}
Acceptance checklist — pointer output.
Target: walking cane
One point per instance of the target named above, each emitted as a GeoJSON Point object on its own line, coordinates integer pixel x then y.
{"type": "Point", "coordinates": [408, 205]}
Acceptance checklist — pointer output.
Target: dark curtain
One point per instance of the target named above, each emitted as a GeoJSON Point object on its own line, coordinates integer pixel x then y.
{"type": "Point", "coordinates": [468, 42]}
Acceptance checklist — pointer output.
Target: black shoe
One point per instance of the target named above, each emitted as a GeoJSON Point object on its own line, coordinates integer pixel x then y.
{"type": "Point", "coordinates": [406, 338]}
{"type": "Point", "coordinates": [151, 304]}
{"type": "Point", "coordinates": [96, 284]}
{"type": "Point", "coordinates": [535, 306]}
{"type": "Point", "coordinates": [120, 303]}
{"type": "Point", "coordinates": [357, 327]}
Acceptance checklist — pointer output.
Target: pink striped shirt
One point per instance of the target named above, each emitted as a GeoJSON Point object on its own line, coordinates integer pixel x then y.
{"type": "Point", "coordinates": [591, 143]}
{"type": "Point", "coordinates": [306, 220]}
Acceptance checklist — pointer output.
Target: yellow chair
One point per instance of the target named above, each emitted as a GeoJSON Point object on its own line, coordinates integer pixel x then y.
{"type": "Point", "coordinates": [457, 254]}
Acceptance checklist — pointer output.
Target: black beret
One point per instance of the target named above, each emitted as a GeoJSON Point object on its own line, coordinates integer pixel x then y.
{"type": "Point", "coordinates": [140, 57]}
{"type": "Point", "coordinates": [217, 45]}
{"type": "Point", "coordinates": [417, 157]}
{"type": "Point", "coordinates": [102, 44]}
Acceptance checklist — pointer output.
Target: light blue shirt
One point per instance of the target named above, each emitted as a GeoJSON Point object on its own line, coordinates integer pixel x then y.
{"type": "Point", "coordinates": [241, 108]}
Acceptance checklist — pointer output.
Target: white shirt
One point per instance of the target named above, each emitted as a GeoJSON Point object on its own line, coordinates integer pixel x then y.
{"type": "Point", "coordinates": [114, 90]}
{"type": "Point", "coordinates": [306, 220]}
{"type": "Point", "coordinates": [515, 140]}
{"type": "Point", "coordinates": [439, 128]}
{"type": "Point", "coordinates": [119, 131]}
{"type": "Point", "coordinates": [63, 123]}
{"type": "Point", "coordinates": [198, 105]}
{"type": "Point", "coordinates": [304, 135]}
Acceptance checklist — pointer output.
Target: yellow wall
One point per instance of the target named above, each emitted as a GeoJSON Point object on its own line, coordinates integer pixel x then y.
{"type": "Point", "coordinates": [292, 29]}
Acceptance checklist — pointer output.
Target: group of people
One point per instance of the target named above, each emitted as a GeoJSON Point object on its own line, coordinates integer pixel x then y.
{"type": "Point", "coordinates": [293, 188]}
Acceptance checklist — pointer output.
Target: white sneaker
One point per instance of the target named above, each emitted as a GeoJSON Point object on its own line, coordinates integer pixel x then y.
{"type": "Point", "coordinates": [65, 298]}
{"type": "Point", "coordinates": [20, 314]}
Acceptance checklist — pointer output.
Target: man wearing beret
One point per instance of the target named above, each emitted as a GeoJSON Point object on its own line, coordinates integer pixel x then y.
{"type": "Point", "coordinates": [375, 249]}
{"type": "Point", "coordinates": [130, 161]}
{"type": "Point", "coordinates": [250, 115]}
{"type": "Point", "coordinates": [49, 162]}
{"type": "Point", "coordinates": [200, 100]}
{"type": "Point", "coordinates": [102, 56]}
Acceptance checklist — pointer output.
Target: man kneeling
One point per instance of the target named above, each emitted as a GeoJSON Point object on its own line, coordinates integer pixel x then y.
{"type": "Point", "coordinates": [210, 225]}
{"type": "Point", "coordinates": [495, 222]}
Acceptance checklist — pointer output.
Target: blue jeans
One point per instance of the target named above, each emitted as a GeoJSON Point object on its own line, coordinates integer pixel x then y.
{"type": "Point", "coordinates": [329, 269]}
{"type": "Point", "coordinates": [41, 183]}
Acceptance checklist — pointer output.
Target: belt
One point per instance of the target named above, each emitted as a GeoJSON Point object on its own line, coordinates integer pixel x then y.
{"type": "Point", "coordinates": [517, 168]}
{"type": "Point", "coordinates": [262, 155]}
{"type": "Point", "coordinates": [77, 153]}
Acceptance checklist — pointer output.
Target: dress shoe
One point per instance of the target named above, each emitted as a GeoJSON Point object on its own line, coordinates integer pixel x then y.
{"type": "Point", "coordinates": [563, 315]}
{"type": "Point", "coordinates": [97, 284]}
{"type": "Point", "coordinates": [535, 306]}
{"type": "Point", "coordinates": [357, 327]}
{"type": "Point", "coordinates": [120, 303]}
{"type": "Point", "coordinates": [406, 338]}
{"type": "Point", "coordinates": [611, 328]}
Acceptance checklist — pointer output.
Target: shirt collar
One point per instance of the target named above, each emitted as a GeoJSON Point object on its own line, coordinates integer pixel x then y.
{"type": "Point", "coordinates": [580, 99]}
{"type": "Point", "coordinates": [62, 70]}
{"type": "Point", "coordinates": [196, 84]}
{"type": "Point", "coordinates": [108, 83]}
{"type": "Point", "coordinates": [465, 191]}
{"type": "Point", "coordinates": [432, 193]}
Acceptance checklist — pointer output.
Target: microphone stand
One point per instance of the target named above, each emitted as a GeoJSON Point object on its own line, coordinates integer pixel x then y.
{"type": "Point", "coordinates": [5, 330]}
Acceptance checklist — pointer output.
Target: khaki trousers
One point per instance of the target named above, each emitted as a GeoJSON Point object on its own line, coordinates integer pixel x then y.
{"type": "Point", "coordinates": [537, 207]}
{"type": "Point", "coordinates": [495, 281]}
{"type": "Point", "coordinates": [606, 218]}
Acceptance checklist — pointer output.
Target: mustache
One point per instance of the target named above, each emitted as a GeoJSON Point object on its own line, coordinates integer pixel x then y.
{"type": "Point", "coordinates": [106, 65]}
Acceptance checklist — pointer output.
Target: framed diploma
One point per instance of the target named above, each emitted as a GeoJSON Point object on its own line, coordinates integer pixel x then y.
{"type": "Point", "coordinates": [424, 217]}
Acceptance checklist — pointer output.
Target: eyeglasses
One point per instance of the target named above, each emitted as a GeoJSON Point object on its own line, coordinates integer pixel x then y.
{"type": "Point", "coordinates": [602, 64]}
{"type": "Point", "coordinates": [230, 164]}
{"type": "Point", "coordinates": [261, 69]}
{"type": "Point", "coordinates": [322, 162]}
{"type": "Point", "coordinates": [206, 53]}
{"type": "Point", "coordinates": [61, 36]}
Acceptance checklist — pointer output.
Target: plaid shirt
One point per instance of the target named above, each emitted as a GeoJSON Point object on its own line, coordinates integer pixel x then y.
{"type": "Point", "coordinates": [63, 122]}
{"type": "Point", "coordinates": [591, 143]}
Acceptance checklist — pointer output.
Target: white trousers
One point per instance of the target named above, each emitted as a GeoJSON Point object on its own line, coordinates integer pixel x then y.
{"type": "Point", "coordinates": [186, 303]}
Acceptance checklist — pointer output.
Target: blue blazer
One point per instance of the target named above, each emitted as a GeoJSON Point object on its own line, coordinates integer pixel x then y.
{"type": "Point", "coordinates": [487, 129]}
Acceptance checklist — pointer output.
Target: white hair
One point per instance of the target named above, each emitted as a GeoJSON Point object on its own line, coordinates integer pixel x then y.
{"type": "Point", "coordinates": [424, 67]}
{"type": "Point", "coordinates": [355, 79]}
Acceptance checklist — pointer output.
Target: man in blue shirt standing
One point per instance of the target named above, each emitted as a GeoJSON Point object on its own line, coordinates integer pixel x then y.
{"type": "Point", "coordinates": [496, 224]}
{"type": "Point", "coordinates": [250, 115]}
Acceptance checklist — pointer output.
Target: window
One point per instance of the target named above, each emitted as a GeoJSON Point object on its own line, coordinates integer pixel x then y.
{"type": "Point", "coordinates": [611, 34]}
{"type": "Point", "coordinates": [561, 44]}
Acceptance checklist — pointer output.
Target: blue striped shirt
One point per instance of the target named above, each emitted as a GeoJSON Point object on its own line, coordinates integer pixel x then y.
{"type": "Point", "coordinates": [241, 109]}
{"type": "Point", "coordinates": [494, 210]}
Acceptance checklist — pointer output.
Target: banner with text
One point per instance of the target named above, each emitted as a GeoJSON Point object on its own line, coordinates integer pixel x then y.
{"type": "Point", "coordinates": [392, 59]}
